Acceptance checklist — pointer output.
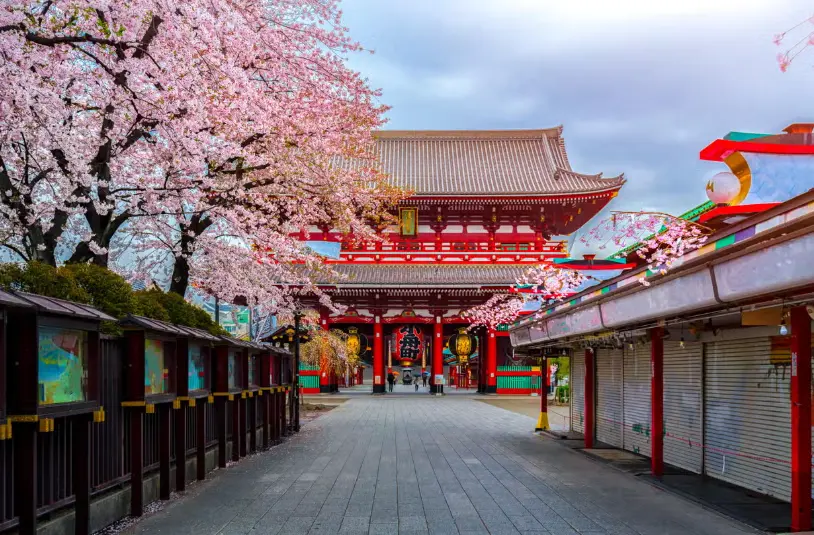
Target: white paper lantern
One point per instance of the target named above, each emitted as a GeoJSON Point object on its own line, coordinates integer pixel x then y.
{"type": "Point", "coordinates": [723, 188]}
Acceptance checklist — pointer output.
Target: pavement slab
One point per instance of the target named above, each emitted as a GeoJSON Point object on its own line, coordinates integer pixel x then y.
{"type": "Point", "coordinates": [420, 464]}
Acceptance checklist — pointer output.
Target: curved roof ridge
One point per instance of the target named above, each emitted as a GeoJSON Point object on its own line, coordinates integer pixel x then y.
{"type": "Point", "coordinates": [519, 133]}
{"type": "Point", "coordinates": [481, 163]}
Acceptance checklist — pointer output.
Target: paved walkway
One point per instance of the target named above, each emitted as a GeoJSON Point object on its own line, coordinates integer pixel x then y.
{"type": "Point", "coordinates": [427, 465]}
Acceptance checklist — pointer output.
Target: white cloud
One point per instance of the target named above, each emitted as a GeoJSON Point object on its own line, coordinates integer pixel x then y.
{"type": "Point", "coordinates": [447, 86]}
{"type": "Point", "coordinates": [641, 86]}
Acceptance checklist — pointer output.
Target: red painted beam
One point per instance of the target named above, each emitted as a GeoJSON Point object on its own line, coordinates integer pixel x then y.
{"type": "Point", "coordinates": [720, 149]}
{"type": "Point", "coordinates": [400, 320]}
{"type": "Point", "coordinates": [351, 319]}
{"type": "Point", "coordinates": [741, 209]}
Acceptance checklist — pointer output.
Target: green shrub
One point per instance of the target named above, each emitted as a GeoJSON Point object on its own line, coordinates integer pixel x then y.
{"type": "Point", "coordinates": [109, 292]}
{"type": "Point", "coordinates": [42, 279]}
{"type": "Point", "coordinates": [148, 304]}
{"type": "Point", "coordinates": [173, 308]}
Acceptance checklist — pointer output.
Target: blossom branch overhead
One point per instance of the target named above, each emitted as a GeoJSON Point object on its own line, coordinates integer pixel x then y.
{"type": "Point", "coordinates": [796, 40]}
{"type": "Point", "coordinates": [660, 238]}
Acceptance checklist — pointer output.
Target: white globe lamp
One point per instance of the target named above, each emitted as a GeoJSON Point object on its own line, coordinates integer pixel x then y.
{"type": "Point", "coordinates": [723, 188]}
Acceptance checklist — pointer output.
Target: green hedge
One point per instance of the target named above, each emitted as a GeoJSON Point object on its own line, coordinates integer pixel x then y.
{"type": "Point", "coordinates": [101, 288]}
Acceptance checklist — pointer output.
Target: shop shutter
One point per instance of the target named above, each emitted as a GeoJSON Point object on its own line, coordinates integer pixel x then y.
{"type": "Point", "coordinates": [609, 414]}
{"type": "Point", "coordinates": [747, 422]}
{"type": "Point", "coordinates": [683, 425]}
{"type": "Point", "coordinates": [577, 382]}
{"type": "Point", "coordinates": [636, 404]}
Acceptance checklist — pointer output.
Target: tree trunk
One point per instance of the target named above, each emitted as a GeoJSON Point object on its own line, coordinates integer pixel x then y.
{"type": "Point", "coordinates": [180, 276]}
{"type": "Point", "coordinates": [190, 231]}
{"type": "Point", "coordinates": [104, 228]}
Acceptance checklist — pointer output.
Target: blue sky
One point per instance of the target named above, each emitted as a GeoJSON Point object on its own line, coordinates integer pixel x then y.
{"type": "Point", "coordinates": [641, 86]}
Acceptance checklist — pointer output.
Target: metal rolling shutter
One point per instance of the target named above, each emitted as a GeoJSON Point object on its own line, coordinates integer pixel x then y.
{"type": "Point", "coordinates": [577, 382]}
{"type": "Point", "coordinates": [747, 422]}
{"type": "Point", "coordinates": [609, 414]}
{"type": "Point", "coordinates": [637, 399]}
{"type": "Point", "coordinates": [683, 391]}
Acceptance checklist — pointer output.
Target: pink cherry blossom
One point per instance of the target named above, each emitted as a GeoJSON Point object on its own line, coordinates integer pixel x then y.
{"type": "Point", "coordinates": [203, 133]}
{"type": "Point", "coordinates": [499, 309]}
{"type": "Point", "coordinates": [801, 39]}
{"type": "Point", "coordinates": [663, 238]}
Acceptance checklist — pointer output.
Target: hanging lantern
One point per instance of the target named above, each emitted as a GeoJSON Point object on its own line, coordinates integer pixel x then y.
{"type": "Point", "coordinates": [409, 343]}
{"type": "Point", "coordinates": [462, 345]}
{"type": "Point", "coordinates": [356, 343]}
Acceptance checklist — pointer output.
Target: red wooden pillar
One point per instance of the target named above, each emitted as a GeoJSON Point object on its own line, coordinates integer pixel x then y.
{"type": "Point", "coordinates": [491, 362]}
{"type": "Point", "coordinates": [657, 401]}
{"type": "Point", "coordinates": [590, 361]}
{"type": "Point", "coordinates": [378, 356]}
{"type": "Point", "coordinates": [800, 419]}
{"type": "Point", "coordinates": [437, 355]}
{"type": "Point", "coordinates": [274, 419]}
{"type": "Point", "coordinates": [325, 375]}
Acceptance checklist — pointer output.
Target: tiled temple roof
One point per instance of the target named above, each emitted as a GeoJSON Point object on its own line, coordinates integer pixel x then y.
{"type": "Point", "coordinates": [484, 162]}
{"type": "Point", "coordinates": [428, 276]}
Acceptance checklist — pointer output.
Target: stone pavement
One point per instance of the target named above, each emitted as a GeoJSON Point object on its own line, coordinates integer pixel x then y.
{"type": "Point", "coordinates": [427, 465]}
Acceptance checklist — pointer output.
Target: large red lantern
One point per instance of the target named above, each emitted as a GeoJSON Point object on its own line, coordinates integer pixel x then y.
{"type": "Point", "coordinates": [409, 342]}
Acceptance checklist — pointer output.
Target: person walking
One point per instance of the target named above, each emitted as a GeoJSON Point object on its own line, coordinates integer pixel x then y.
{"type": "Point", "coordinates": [416, 384]}
{"type": "Point", "coordinates": [391, 379]}
{"type": "Point", "coordinates": [424, 379]}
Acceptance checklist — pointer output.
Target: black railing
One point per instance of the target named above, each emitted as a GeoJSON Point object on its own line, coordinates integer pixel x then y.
{"type": "Point", "coordinates": [110, 443]}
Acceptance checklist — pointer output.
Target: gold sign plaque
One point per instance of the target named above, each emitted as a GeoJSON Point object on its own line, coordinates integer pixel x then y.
{"type": "Point", "coordinates": [408, 221]}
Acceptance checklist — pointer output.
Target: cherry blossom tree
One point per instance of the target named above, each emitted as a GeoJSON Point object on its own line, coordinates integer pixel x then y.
{"type": "Point", "coordinates": [555, 283]}
{"type": "Point", "coordinates": [328, 350]}
{"type": "Point", "coordinates": [548, 282]}
{"type": "Point", "coordinates": [660, 238]}
{"type": "Point", "coordinates": [499, 309]}
{"type": "Point", "coordinates": [211, 115]}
